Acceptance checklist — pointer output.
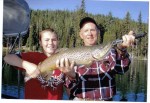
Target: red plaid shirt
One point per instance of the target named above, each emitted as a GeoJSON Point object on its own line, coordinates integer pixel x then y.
{"type": "Point", "coordinates": [97, 82]}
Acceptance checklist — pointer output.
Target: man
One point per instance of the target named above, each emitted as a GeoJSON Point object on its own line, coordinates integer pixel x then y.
{"type": "Point", "coordinates": [96, 82]}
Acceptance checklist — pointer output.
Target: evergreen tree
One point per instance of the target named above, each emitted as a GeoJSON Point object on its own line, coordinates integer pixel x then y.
{"type": "Point", "coordinates": [140, 23]}
{"type": "Point", "coordinates": [126, 25]}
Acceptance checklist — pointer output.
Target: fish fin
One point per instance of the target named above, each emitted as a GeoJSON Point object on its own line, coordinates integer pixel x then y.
{"type": "Point", "coordinates": [89, 64]}
{"type": "Point", "coordinates": [47, 75]}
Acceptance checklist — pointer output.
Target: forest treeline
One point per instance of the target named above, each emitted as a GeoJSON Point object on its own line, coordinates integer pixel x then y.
{"type": "Point", "coordinates": [66, 24]}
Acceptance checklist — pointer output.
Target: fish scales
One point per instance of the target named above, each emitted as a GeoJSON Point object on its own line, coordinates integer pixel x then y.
{"type": "Point", "coordinates": [81, 56]}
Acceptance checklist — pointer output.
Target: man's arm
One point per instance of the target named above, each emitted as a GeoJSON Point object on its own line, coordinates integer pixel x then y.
{"type": "Point", "coordinates": [123, 60]}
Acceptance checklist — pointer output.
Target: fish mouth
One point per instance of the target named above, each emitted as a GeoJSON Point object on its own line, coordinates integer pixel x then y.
{"type": "Point", "coordinates": [96, 59]}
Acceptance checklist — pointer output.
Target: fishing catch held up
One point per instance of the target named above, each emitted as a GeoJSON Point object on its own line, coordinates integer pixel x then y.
{"type": "Point", "coordinates": [81, 56]}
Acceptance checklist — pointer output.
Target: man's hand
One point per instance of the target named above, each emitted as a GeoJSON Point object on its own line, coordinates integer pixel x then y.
{"type": "Point", "coordinates": [128, 40]}
{"type": "Point", "coordinates": [66, 67]}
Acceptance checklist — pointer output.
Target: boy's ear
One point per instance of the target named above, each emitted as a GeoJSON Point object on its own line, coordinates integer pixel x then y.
{"type": "Point", "coordinates": [40, 42]}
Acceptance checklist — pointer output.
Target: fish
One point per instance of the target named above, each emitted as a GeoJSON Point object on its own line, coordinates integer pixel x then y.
{"type": "Point", "coordinates": [84, 55]}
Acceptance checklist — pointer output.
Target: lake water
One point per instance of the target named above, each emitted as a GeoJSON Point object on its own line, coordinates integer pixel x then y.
{"type": "Point", "coordinates": [131, 87]}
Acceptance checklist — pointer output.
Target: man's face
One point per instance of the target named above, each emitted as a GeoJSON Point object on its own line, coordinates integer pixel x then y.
{"type": "Point", "coordinates": [89, 34]}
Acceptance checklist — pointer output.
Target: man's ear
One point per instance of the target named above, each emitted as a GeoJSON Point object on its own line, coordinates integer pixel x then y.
{"type": "Point", "coordinates": [80, 33]}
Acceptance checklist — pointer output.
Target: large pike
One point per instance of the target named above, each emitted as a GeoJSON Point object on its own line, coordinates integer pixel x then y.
{"type": "Point", "coordinates": [81, 56]}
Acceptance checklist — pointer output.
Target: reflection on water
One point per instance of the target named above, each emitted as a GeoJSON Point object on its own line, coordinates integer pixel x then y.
{"type": "Point", "coordinates": [131, 87]}
{"type": "Point", "coordinates": [12, 90]}
{"type": "Point", "coordinates": [140, 97]}
{"type": "Point", "coordinates": [133, 84]}
{"type": "Point", "coordinates": [130, 97]}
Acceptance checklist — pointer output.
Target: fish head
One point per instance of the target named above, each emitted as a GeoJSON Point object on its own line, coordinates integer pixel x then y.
{"type": "Point", "coordinates": [100, 52]}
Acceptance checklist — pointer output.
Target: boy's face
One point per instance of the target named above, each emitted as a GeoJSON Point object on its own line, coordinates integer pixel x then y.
{"type": "Point", "coordinates": [49, 43]}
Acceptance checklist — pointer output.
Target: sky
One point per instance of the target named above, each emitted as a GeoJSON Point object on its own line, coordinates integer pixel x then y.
{"type": "Point", "coordinates": [117, 8]}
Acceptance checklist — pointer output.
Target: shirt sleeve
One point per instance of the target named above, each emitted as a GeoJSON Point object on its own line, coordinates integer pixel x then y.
{"type": "Point", "coordinates": [70, 83]}
{"type": "Point", "coordinates": [122, 63]}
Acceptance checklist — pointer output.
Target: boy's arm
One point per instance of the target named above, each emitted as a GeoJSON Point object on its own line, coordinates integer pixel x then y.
{"type": "Point", "coordinates": [14, 60]}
